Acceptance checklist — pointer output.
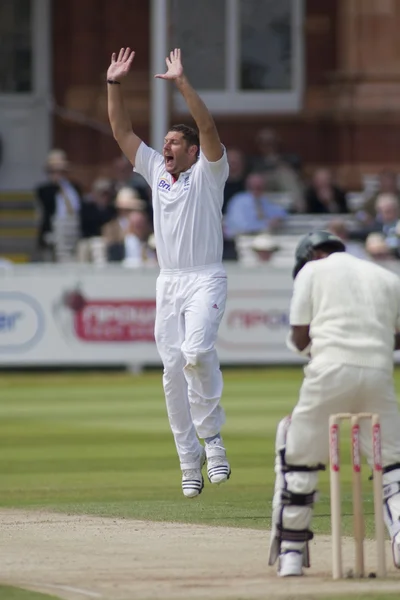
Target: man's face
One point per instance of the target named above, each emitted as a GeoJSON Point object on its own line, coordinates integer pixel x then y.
{"type": "Point", "coordinates": [389, 212]}
{"type": "Point", "coordinates": [178, 155]}
{"type": "Point", "coordinates": [322, 178]}
{"type": "Point", "coordinates": [255, 184]}
{"type": "Point", "coordinates": [139, 225]}
{"type": "Point", "coordinates": [56, 174]}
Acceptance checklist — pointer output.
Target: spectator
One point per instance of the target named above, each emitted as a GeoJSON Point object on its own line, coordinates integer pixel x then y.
{"type": "Point", "coordinates": [138, 251]}
{"type": "Point", "coordinates": [283, 170]}
{"type": "Point", "coordinates": [339, 228]}
{"type": "Point", "coordinates": [237, 175]}
{"type": "Point", "coordinates": [264, 246]}
{"type": "Point", "coordinates": [124, 176]}
{"type": "Point", "coordinates": [387, 221]}
{"type": "Point", "coordinates": [234, 184]}
{"type": "Point", "coordinates": [323, 196]}
{"type": "Point", "coordinates": [387, 185]}
{"type": "Point", "coordinates": [114, 231]}
{"type": "Point", "coordinates": [377, 248]}
{"type": "Point", "coordinates": [59, 199]}
{"type": "Point", "coordinates": [97, 210]}
{"type": "Point", "coordinates": [251, 212]}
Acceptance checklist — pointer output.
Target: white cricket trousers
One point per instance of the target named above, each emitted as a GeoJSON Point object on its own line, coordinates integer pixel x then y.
{"type": "Point", "coordinates": [332, 388]}
{"type": "Point", "coordinates": [190, 306]}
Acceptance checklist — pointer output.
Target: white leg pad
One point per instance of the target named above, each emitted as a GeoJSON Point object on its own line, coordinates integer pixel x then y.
{"type": "Point", "coordinates": [391, 510]}
{"type": "Point", "coordinates": [290, 518]}
{"type": "Point", "coordinates": [391, 501]}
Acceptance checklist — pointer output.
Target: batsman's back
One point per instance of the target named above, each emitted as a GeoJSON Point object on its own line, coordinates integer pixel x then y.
{"type": "Point", "coordinates": [355, 310]}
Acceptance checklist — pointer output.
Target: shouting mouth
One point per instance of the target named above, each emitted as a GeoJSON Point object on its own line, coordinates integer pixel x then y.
{"type": "Point", "coordinates": [168, 160]}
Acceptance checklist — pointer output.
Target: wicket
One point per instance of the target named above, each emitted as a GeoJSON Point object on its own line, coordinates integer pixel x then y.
{"type": "Point", "coordinates": [358, 514]}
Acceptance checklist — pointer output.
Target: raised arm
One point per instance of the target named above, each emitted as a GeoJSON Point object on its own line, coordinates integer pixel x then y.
{"type": "Point", "coordinates": [120, 121]}
{"type": "Point", "coordinates": [209, 138]}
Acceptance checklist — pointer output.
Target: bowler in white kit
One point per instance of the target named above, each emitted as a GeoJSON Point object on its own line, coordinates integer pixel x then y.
{"type": "Point", "coordinates": [187, 182]}
{"type": "Point", "coordinates": [344, 315]}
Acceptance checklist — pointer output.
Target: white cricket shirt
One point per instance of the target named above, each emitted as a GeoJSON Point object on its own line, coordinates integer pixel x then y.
{"type": "Point", "coordinates": [187, 212]}
{"type": "Point", "coordinates": [352, 307]}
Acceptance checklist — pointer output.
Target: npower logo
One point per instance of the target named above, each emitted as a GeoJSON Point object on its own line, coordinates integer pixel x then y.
{"type": "Point", "coordinates": [21, 322]}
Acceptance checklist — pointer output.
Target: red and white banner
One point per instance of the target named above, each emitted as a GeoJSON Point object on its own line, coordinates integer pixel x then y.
{"type": "Point", "coordinates": [71, 316]}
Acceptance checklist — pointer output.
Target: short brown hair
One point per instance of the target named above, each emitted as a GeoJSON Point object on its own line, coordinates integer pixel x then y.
{"type": "Point", "coordinates": [189, 134]}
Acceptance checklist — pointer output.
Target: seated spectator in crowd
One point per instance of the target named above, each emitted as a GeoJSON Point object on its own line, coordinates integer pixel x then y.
{"type": "Point", "coordinates": [59, 200]}
{"type": "Point", "coordinates": [339, 228]}
{"type": "Point", "coordinates": [251, 212]}
{"type": "Point", "coordinates": [114, 232]}
{"type": "Point", "coordinates": [138, 251]}
{"type": "Point", "coordinates": [234, 184]}
{"type": "Point", "coordinates": [323, 196]}
{"type": "Point", "coordinates": [377, 248]}
{"type": "Point", "coordinates": [125, 176]}
{"type": "Point", "coordinates": [97, 210]}
{"type": "Point", "coordinates": [387, 221]}
{"type": "Point", "coordinates": [237, 175]}
{"type": "Point", "coordinates": [264, 246]}
{"type": "Point", "coordinates": [283, 170]}
{"type": "Point", "coordinates": [387, 185]}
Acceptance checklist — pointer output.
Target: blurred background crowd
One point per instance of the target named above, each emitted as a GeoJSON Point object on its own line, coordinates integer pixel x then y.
{"type": "Point", "coordinates": [306, 102]}
{"type": "Point", "coordinates": [268, 203]}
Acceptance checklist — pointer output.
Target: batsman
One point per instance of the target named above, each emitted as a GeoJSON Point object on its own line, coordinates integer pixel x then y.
{"type": "Point", "coordinates": [345, 316]}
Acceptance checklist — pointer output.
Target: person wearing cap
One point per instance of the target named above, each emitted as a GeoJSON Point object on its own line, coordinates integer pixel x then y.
{"type": "Point", "coordinates": [265, 246]}
{"type": "Point", "coordinates": [114, 232]}
{"type": "Point", "coordinates": [138, 250]}
{"type": "Point", "coordinates": [59, 197]}
{"type": "Point", "coordinates": [345, 317]}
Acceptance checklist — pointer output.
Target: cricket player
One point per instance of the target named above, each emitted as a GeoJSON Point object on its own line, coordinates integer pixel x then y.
{"type": "Point", "coordinates": [187, 182]}
{"type": "Point", "coordinates": [345, 315]}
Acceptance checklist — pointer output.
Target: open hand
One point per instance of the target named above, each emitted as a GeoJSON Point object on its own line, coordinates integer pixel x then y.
{"type": "Point", "coordinates": [174, 66]}
{"type": "Point", "coordinates": [120, 66]}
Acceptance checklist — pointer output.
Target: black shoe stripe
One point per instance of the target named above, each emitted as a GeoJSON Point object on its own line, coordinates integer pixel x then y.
{"type": "Point", "coordinates": [218, 470]}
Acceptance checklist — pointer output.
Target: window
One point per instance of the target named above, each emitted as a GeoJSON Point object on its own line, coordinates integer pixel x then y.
{"type": "Point", "coordinates": [16, 73]}
{"type": "Point", "coordinates": [241, 55]}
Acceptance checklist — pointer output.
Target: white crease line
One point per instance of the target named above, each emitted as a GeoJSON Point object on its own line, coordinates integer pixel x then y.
{"type": "Point", "coordinates": [66, 588]}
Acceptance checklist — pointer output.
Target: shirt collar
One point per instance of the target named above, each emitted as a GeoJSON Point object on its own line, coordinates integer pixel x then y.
{"type": "Point", "coordinates": [184, 173]}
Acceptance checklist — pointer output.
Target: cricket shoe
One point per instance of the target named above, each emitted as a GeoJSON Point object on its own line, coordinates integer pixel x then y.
{"type": "Point", "coordinates": [192, 479]}
{"type": "Point", "coordinates": [290, 564]}
{"type": "Point", "coordinates": [218, 468]}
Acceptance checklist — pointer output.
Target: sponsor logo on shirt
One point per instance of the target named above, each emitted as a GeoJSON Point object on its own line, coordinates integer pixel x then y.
{"type": "Point", "coordinates": [186, 184]}
{"type": "Point", "coordinates": [164, 185]}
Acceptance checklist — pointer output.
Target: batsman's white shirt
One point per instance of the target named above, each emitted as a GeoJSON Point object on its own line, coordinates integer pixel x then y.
{"type": "Point", "coordinates": [187, 212]}
{"type": "Point", "coordinates": [190, 294]}
{"type": "Point", "coordinates": [353, 309]}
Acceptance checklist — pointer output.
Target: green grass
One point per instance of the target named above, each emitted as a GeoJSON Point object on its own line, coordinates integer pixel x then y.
{"type": "Point", "coordinates": [356, 597]}
{"type": "Point", "coordinates": [11, 593]}
{"type": "Point", "coordinates": [100, 443]}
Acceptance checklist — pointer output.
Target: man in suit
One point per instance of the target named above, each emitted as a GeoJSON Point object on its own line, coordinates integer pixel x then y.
{"type": "Point", "coordinates": [59, 199]}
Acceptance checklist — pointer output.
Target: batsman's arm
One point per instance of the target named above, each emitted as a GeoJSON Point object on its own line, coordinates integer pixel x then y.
{"type": "Point", "coordinates": [301, 336]}
{"type": "Point", "coordinates": [208, 133]}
